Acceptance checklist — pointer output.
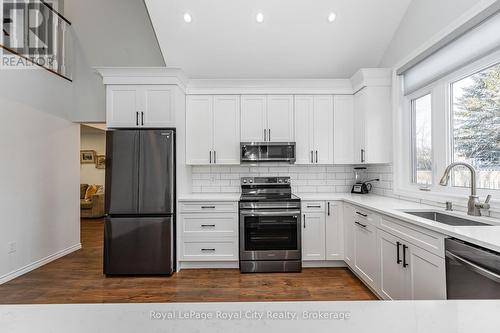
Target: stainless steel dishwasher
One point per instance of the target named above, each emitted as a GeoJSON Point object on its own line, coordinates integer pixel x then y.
{"type": "Point", "coordinates": [472, 272]}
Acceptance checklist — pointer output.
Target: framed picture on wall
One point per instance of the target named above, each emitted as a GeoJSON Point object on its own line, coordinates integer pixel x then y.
{"type": "Point", "coordinates": [87, 157]}
{"type": "Point", "coordinates": [100, 162]}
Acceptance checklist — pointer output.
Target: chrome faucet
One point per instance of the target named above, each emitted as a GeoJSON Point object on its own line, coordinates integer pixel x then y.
{"type": "Point", "coordinates": [474, 206]}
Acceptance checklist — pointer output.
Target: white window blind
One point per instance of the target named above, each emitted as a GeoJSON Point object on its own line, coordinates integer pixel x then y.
{"type": "Point", "coordinates": [470, 46]}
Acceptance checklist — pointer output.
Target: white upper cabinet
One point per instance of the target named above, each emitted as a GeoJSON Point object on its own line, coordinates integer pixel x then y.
{"type": "Point", "coordinates": [314, 129]}
{"type": "Point", "coordinates": [226, 129]}
{"type": "Point", "coordinates": [323, 129]}
{"type": "Point", "coordinates": [267, 118]}
{"type": "Point", "coordinates": [129, 106]}
{"type": "Point", "coordinates": [253, 118]}
{"type": "Point", "coordinates": [280, 118]}
{"type": "Point", "coordinates": [373, 125]}
{"type": "Point", "coordinates": [158, 106]}
{"type": "Point", "coordinates": [212, 129]}
{"type": "Point", "coordinates": [122, 106]}
{"type": "Point", "coordinates": [199, 139]}
{"type": "Point", "coordinates": [343, 133]}
{"type": "Point", "coordinates": [304, 130]}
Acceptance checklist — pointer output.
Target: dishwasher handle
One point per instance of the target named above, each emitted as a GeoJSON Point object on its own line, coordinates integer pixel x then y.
{"type": "Point", "coordinates": [473, 267]}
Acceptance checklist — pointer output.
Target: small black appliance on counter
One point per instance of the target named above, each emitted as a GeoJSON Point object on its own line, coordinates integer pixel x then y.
{"type": "Point", "coordinates": [362, 186]}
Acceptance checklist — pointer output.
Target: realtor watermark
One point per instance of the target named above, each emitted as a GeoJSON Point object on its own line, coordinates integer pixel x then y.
{"type": "Point", "coordinates": [249, 315]}
{"type": "Point", "coordinates": [28, 37]}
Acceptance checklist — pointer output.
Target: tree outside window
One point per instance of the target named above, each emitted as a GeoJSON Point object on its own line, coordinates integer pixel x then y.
{"type": "Point", "coordinates": [476, 127]}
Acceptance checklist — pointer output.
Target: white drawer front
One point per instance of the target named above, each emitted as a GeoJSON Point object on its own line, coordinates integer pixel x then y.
{"type": "Point", "coordinates": [366, 217]}
{"type": "Point", "coordinates": [204, 225]}
{"type": "Point", "coordinates": [427, 240]}
{"type": "Point", "coordinates": [313, 206]}
{"type": "Point", "coordinates": [217, 250]}
{"type": "Point", "coordinates": [207, 207]}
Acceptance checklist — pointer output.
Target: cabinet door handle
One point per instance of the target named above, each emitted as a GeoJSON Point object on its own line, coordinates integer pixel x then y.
{"type": "Point", "coordinates": [364, 215]}
{"type": "Point", "coordinates": [265, 135]}
{"type": "Point", "coordinates": [398, 260]}
{"type": "Point", "coordinates": [312, 156]}
{"type": "Point", "coordinates": [142, 118]}
{"type": "Point", "coordinates": [137, 118]}
{"type": "Point", "coordinates": [361, 224]}
{"type": "Point", "coordinates": [405, 264]}
{"type": "Point", "coordinates": [316, 156]}
{"type": "Point", "coordinates": [269, 130]}
{"type": "Point", "coordinates": [304, 221]}
{"type": "Point", "coordinates": [210, 154]}
{"type": "Point", "coordinates": [362, 155]}
{"type": "Point", "coordinates": [328, 209]}
{"type": "Point", "coordinates": [215, 157]}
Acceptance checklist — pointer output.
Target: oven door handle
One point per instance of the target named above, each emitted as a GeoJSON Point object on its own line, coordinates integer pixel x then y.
{"type": "Point", "coordinates": [478, 269]}
{"type": "Point", "coordinates": [272, 213]}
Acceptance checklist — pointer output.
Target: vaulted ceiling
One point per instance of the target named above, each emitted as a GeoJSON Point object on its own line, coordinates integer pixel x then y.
{"type": "Point", "coordinates": [295, 39]}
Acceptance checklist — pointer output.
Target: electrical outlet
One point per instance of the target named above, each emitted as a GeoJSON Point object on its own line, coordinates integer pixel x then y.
{"type": "Point", "coordinates": [12, 247]}
{"type": "Point", "coordinates": [212, 179]}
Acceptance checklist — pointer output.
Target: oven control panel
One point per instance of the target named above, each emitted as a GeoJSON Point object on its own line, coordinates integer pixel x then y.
{"type": "Point", "coordinates": [265, 181]}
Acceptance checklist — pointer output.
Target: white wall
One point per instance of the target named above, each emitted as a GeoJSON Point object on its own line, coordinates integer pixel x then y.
{"type": "Point", "coordinates": [423, 19]}
{"type": "Point", "coordinates": [95, 140]}
{"type": "Point", "coordinates": [40, 178]}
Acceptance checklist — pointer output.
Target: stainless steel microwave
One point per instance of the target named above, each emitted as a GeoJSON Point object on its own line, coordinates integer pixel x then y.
{"type": "Point", "coordinates": [255, 152]}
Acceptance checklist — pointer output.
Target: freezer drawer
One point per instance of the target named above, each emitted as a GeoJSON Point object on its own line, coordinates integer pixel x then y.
{"type": "Point", "coordinates": [138, 246]}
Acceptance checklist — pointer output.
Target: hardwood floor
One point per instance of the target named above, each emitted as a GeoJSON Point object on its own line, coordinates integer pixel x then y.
{"type": "Point", "coordinates": [78, 278]}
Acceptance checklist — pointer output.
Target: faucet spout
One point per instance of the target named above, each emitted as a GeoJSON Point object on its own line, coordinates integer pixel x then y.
{"type": "Point", "coordinates": [446, 176]}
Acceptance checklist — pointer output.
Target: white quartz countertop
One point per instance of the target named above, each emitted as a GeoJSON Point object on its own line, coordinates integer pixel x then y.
{"type": "Point", "coordinates": [486, 236]}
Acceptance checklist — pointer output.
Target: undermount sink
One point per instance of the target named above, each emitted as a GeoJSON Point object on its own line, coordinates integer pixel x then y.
{"type": "Point", "coordinates": [447, 219]}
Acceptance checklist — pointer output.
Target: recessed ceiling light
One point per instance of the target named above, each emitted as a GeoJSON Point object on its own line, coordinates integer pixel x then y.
{"type": "Point", "coordinates": [187, 18]}
{"type": "Point", "coordinates": [259, 18]}
{"type": "Point", "coordinates": [331, 17]}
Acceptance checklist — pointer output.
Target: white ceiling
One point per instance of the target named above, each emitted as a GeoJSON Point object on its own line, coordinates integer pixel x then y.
{"type": "Point", "coordinates": [294, 41]}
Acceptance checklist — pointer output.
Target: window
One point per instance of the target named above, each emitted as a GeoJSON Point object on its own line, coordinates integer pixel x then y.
{"type": "Point", "coordinates": [476, 127]}
{"type": "Point", "coordinates": [422, 140]}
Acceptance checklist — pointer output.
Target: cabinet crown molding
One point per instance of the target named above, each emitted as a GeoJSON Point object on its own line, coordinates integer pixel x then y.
{"type": "Point", "coordinates": [143, 75]}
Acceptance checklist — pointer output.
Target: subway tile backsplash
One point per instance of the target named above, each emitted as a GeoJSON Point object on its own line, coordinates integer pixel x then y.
{"type": "Point", "coordinates": [305, 179]}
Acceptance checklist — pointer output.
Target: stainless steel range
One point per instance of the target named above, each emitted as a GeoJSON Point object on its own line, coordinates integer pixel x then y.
{"type": "Point", "coordinates": [270, 226]}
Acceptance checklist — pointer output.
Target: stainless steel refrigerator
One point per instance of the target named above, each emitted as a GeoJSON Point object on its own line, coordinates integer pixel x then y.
{"type": "Point", "coordinates": [139, 232]}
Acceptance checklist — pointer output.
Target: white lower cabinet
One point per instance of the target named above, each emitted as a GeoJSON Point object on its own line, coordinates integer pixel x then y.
{"type": "Point", "coordinates": [322, 231]}
{"type": "Point", "coordinates": [334, 231]}
{"type": "Point", "coordinates": [427, 275]}
{"type": "Point", "coordinates": [393, 276]}
{"type": "Point", "coordinates": [207, 231]}
{"type": "Point", "coordinates": [409, 272]}
{"type": "Point", "coordinates": [313, 236]}
{"type": "Point", "coordinates": [366, 261]}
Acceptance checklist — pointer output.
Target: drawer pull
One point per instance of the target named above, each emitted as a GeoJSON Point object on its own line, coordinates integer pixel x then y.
{"type": "Point", "coordinates": [315, 206]}
{"type": "Point", "coordinates": [207, 207]}
{"type": "Point", "coordinates": [208, 225]}
{"type": "Point", "coordinates": [361, 224]}
{"type": "Point", "coordinates": [208, 250]}
{"type": "Point", "coordinates": [364, 215]}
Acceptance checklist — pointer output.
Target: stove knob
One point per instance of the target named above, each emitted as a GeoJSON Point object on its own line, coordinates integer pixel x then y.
{"type": "Point", "coordinates": [251, 181]}
{"type": "Point", "coordinates": [244, 181]}
{"type": "Point", "coordinates": [287, 181]}
{"type": "Point", "coordinates": [280, 181]}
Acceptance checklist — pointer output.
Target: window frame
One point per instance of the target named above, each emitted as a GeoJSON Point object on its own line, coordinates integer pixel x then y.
{"type": "Point", "coordinates": [413, 143]}
{"type": "Point", "coordinates": [442, 137]}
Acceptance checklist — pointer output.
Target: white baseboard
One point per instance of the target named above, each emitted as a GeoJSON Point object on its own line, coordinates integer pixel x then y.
{"type": "Point", "coordinates": [28, 268]}
{"type": "Point", "coordinates": [207, 264]}
{"type": "Point", "coordinates": [323, 263]}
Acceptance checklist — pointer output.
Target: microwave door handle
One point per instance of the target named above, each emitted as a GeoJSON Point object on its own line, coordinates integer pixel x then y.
{"type": "Point", "coordinates": [478, 269]}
